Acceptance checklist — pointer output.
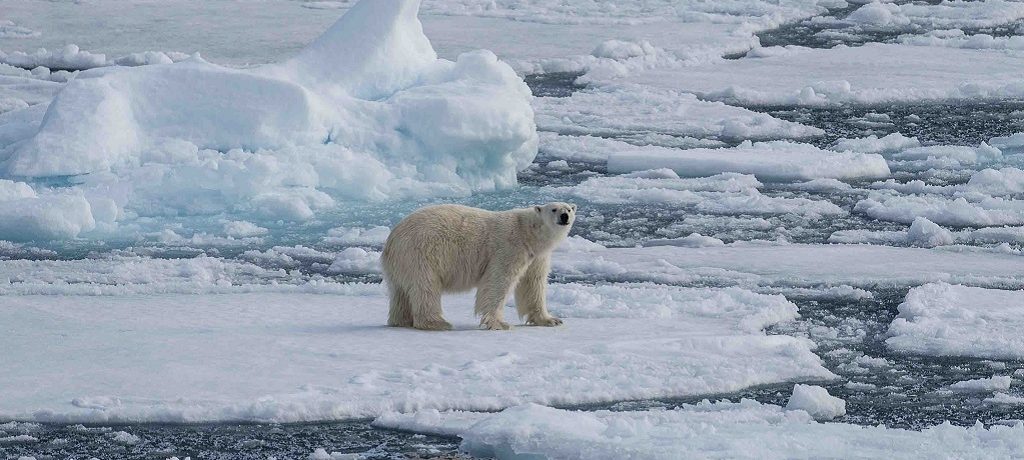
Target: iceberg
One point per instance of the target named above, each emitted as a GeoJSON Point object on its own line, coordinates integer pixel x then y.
{"type": "Point", "coordinates": [365, 112]}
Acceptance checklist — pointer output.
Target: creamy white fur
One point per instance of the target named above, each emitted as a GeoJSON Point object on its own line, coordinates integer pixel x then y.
{"type": "Point", "coordinates": [452, 248]}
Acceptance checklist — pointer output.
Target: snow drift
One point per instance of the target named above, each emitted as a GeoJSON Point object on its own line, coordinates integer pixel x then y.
{"type": "Point", "coordinates": [366, 111]}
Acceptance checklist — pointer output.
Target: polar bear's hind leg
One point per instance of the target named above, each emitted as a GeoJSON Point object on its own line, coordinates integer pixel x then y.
{"type": "Point", "coordinates": [400, 312]}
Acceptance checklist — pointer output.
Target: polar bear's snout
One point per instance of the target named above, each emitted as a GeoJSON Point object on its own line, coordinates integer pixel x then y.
{"type": "Point", "coordinates": [563, 219]}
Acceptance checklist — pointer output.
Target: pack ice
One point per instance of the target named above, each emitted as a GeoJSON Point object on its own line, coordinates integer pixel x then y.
{"type": "Point", "coordinates": [365, 112]}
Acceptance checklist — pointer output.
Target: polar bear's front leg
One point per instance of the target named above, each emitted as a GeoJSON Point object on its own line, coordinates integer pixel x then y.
{"type": "Point", "coordinates": [530, 294]}
{"type": "Point", "coordinates": [491, 296]}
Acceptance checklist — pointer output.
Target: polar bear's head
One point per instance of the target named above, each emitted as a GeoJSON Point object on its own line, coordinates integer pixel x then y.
{"type": "Point", "coordinates": [557, 217]}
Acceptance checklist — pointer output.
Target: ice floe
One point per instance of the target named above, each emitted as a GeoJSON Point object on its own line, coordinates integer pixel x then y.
{"type": "Point", "coordinates": [632, 110]}
{"type": "Point", "coordinates": [725, 194]}
{"type": "Point", "coordinates": [868, 74]}
{"type": "Point", "coordinates": [746, 429]}
{"type": "Point", "coordinates": [987, 211]}
{"type": "Point", "coordinates": [800, 265]}
{"type": "Point", "coordinates": [951, 320]}
{"type": "Point", "coordinates": [816, 401]}
{"type": "Point", "coordinates": [769, 161]}
{"type": "Point", "coordinates": [295, 357]}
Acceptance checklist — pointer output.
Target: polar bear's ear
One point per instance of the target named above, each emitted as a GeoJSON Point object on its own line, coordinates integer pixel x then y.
{"type": "Point", "coordinates": [573, 206]}
{"type": "Point", "coordinates": [536, 208]}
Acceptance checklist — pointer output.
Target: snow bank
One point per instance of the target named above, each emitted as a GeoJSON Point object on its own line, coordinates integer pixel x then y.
{"type": "Point", "coordinates": [299, 357]}
{"type": "Point", "coordinates": [816, 401]}
{"type": "Point", "coordinates": [950, 320]}
{"type": "Point", "coordinates": [747, 429]}
{"type": "Point", "coordinates": [770, 161]}
{"type": "Point", "coordinates": [366, 112]}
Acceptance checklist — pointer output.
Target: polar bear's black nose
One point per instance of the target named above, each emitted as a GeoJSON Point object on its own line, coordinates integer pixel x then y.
{"type": "Point", "coordinates": [563, 219]}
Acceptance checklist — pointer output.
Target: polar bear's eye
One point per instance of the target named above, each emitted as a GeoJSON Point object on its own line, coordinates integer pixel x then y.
{"type": "Point", "coordinates": [553, 210]}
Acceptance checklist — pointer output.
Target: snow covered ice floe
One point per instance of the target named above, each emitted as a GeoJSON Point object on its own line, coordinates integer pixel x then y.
{"type": "Point", "coordinates": [987, 211]}
{"type": "Point", "coordinates": [288, 356]}
{"type": "Point", "coordinates": [633, 110]}
{"type": "Point", "coordinates": [870, 74]}
{"type": "Point", "coordinates": [746, 429]}
{"type": "Point", "coordinates": [768, 161]}
{"type": "Point", "coordinates": [994, 383]}
{"type": "Point", "coordinates": [73, 58]}
{"type": "Point", "coordinates": [772, 264]}
{"type": "Point", "coordinates": [722, 194]}
{"type": "Point", "coordinates": [816, 401]}
{"type": "Point", "coordinates": [887, 16]}
{"type": "Point", "coordinates": [922, 232]}
{"type": "Point", "coordinates": [950, 320]}
{"type": "Point", "coordinates": [365, 112]}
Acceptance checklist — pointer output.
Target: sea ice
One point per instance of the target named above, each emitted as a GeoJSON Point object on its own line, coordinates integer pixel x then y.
{"type": "Point", "coordinates": [775, 161]}
{"type": "Point", "coordinates": [300, 357]}
{"type": "Point", "coordinates": [769, 264]}
{"type": "Point", "coordinates": [994, 383]}
{"type": "Point", "coordinates": [870, 74]}
{"type": "Point", "coordinates": [747, 429]}
{"type": "Point", "coordinates": [960, 212]}
{"type": "Point", "coordinates": [724, 194]}
{"type": "Point", "coordinates": [618, 110]}
{"type": "Point", "coordinates": [816, 401]}
{"type": "Point", "coordinates": [951, 320]}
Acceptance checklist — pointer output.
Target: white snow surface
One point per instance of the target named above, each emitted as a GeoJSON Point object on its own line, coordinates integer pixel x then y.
{"type": "Point", "coordinates": [295, 357]}
{"type": "Point", "coordinates": [747, 429]}
{"type": "Point", "coordinates": [942, 319]}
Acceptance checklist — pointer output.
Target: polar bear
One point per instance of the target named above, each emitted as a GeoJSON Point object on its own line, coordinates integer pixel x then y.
{"type": "Point", "coordinates": [452, 248]}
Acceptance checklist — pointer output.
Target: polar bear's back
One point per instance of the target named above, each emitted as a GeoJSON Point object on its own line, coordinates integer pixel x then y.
{"type": "Point", "coordinates": [448, 241]}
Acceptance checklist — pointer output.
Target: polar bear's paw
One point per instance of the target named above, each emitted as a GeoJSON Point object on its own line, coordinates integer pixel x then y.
{"type": "Point", "coordinates": [547, 321]}
{"type": "Point", "coordinates": [494, 324]}
{"type": "Point", "coordinates": [433, 325]}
